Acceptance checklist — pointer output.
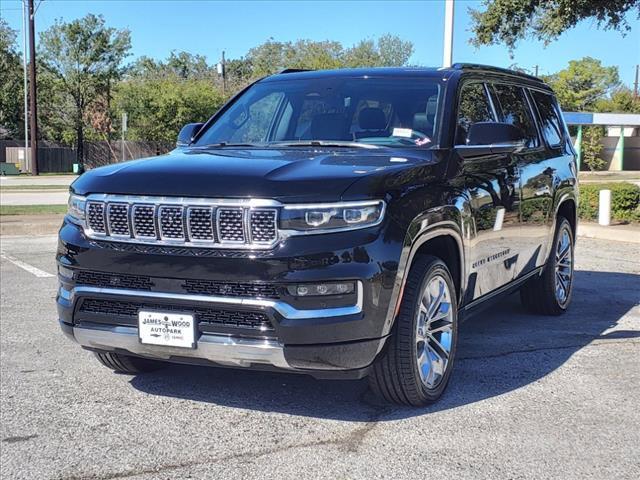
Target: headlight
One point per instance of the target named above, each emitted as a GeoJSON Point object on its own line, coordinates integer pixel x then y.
{"type": "Point", "coordinates": [321, 218]}
{"type": "Point", "coordinates": [75, 212]}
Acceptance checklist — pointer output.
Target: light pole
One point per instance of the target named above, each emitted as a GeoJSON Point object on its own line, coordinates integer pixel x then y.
{"type": "Point", "coordinates": [32, 89]}
{"type": "Point", "coordinates": [24, 75]}
{"type": "Point", "coordinates": [447, 51]}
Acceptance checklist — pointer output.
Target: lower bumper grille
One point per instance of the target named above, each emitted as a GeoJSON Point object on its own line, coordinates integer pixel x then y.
{"type": "Point", "coordinates": [203, 315]}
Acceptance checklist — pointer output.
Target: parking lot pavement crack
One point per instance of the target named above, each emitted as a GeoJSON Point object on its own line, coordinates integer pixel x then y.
{"type": "Point", "coordinates": [595, 343]}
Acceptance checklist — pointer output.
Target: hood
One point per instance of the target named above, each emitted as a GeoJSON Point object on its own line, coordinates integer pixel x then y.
{"type": "Point", "coordinates": [293, 174]}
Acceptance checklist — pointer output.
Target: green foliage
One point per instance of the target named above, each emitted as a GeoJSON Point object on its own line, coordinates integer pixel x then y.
{"type": "Point", "coordinates": [159, 107]}
{"type": "Point", "coordinates": [508, 21]}
{"type": "Point", "coordinates": [592, 148]}
{"type": "Point", "coordinates": [11, 86]}
{"type": "Point", "coordinates": [583, 83]}
{"type": "Point", "coordinates": [271, 56]}
{"type": "Point", "coordinates": [620, 101]}
{"type": "Point", "coordinates": [625, 201]}
{"type": "Point", "coordinates": [80, 61]}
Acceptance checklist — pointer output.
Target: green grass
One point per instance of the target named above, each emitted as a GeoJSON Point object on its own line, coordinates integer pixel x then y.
{"type": "Point", "coordinates": [32, 209]}
{"type": "Point", "coordinates": [33, 187]}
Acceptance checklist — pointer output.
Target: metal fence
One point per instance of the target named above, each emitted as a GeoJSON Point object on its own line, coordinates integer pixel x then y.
{"type": "Point", "coordinates": [58, 158]}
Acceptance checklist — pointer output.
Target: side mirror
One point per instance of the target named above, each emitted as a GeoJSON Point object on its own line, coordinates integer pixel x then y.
{"type": "Point", "coordinates": [491, 133]}
{"type": "Point", "coordinates": [487, 138]}
{"type": "Point", "coordinates": [187, 133]}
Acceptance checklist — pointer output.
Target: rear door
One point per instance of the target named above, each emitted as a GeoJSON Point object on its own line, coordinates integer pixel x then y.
{"type": "Point", "coordinates": [493, 188]}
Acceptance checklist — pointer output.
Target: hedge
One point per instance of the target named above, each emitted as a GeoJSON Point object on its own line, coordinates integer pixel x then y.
{"type": "Point", "coordinates": [625, 201]}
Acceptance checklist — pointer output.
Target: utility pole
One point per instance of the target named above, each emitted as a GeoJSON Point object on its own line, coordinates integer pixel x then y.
{"type": "Point", "coordinates": [536, 70]}
{"type": "Point", "coordinates": [635, 84]}
{"type": "Point", "coordinates": [32, 90]}
{"type": "Point", "coordinates": [124, 129]}
{"type": "Point", "coordinates": [224, 76]}
{"type": "Point", "coordinates": [447, 51]}
{"type": "Point", "coordinates": [25, 86]}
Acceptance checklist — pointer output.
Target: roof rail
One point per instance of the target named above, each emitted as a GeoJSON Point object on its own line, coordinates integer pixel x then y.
{"type": "Point", "coordinates": [294, 70]}
{"type": "Point", "coordinates": [489, 68]}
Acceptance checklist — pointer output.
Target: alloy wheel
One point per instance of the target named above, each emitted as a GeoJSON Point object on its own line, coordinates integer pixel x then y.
{"type": "Point", "coordinates": [564, 266]}
{"type": "Point", "coordinates": [434, 332]}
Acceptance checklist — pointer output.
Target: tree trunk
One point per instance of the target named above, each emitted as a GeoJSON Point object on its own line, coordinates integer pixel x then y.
{"type": "Point", "coordinates": [80, 144]}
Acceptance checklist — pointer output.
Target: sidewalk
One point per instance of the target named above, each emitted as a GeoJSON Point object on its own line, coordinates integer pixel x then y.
{"type": "Point", "coordinates": [616, 233]}
{"type": "Point", "coordinates": [62, 180]}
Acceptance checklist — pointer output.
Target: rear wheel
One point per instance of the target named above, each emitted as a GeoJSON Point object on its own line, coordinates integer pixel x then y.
{"type": "Point", "coordinates": [125, 364]}
{"type": "Point", "coordinates": [416, 366]}
{"type": "Point", "coordinates": [550, 293]}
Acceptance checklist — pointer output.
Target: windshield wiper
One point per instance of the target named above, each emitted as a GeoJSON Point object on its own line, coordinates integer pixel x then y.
{"type": "Point", "coordinates": [225, 144]}
{"type": "Point", "coordinates": [323, 143]}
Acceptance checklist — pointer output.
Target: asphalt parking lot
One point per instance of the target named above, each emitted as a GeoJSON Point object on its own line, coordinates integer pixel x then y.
{"type": "Point", "coordinates": [531, 397]}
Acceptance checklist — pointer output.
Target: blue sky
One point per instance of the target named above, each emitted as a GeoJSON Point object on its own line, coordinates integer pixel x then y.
{"type": "Point", "coordinates": [208, 27]}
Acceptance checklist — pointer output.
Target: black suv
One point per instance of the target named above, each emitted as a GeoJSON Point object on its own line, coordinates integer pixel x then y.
{"type": "Point", "coordinates": [335, 223]}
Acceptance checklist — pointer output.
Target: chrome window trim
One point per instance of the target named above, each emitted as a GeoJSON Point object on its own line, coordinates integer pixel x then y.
{"type": "Point", "coordinates": [283, 308]}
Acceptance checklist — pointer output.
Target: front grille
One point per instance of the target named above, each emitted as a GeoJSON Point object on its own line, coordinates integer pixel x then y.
{"type": "Point", "coordinates": [144, 224]}
{"type": "Point", "coordinates": [224, 289]}
{"type": "Point", "coordinates": [110, 280]}
{"type": "Point", "coordinates": [118, 219]}
{"type": "Point", "coordinates": [192, 222]}
{"type": "Point", "coordinates": [95, 217]}
{"type": "Point", "coordinates": [204, 315]}
{"type": "Point", "coordinates": [231, 224]}
{"type": "Point", "coordinates": [263, 225]}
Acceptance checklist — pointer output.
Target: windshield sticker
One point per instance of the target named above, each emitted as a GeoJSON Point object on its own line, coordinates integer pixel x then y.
{"type": "Point", "coordinates": [402, 132]}
{"type": "Point", "coordinates": [422, 141]}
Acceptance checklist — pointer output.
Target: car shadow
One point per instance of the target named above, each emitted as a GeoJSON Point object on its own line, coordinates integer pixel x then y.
{"type": "Point", "coordinates": [500, 350]}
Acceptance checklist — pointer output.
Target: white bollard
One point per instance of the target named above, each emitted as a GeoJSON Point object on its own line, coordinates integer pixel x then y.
{"type": "Point", "coordinates": [604, 207]}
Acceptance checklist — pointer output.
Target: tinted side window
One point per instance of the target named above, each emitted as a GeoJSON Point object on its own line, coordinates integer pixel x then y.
{"type": "Point", "coordinates": [549, 117]}
{"type": "Point", "coordinates": [513, 109]}
{"type": "Point", "coordinates": [473, 107]}
{"type": "Point", "coordinates": [255, 122]}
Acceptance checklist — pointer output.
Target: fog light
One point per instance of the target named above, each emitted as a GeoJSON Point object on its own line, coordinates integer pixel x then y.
{"type": "Point", "coordinates": [322, 289]}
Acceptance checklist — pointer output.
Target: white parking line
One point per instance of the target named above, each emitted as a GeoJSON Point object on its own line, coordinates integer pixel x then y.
{"type": "Point", "coordinates": [25, 266]}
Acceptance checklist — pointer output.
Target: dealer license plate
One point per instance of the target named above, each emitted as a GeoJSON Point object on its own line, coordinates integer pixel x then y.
{"type": "Point", "coordinates": [167, 329]}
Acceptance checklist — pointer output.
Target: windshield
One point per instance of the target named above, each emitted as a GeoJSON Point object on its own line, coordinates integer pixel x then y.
{"type": "Point", "coordinates": [331, 111]}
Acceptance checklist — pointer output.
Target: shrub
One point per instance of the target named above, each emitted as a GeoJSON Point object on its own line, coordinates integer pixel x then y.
{"type": "Point", "coordinates": [592, 148]}
{"type": "Point", "coordinates": [625, 201]}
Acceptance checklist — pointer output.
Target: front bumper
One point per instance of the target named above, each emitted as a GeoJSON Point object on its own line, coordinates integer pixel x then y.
{"type": "Point", "coordinates": [323, 340]}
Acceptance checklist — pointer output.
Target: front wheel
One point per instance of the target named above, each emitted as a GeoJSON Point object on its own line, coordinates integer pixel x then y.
{"type": "Point", "coordinates": [127, 364]}
{"type": "Point", "coordinates": [550, 293]}
{"type": "Point", "coordinates": [416, 366]}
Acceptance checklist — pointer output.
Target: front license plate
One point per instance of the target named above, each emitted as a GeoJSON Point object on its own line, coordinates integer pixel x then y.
{"type": "Point", "coordinates": [168, 329]}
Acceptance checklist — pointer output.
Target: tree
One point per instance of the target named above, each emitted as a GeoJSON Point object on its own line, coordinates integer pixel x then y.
{"type": "Point", "coordinates": [82, 58]}
{"type": "Point", "coordinates": [159, 107]}
{"type": "Point", "coordinates": [179, 64]}
{"type": "Point", "coordinates": [622, 100]}
{"type": "Point", "coordinates": [583, 83]}
{"type": "Point", "coordinates": [508, 21]}
{"type": "Point", "coordinates": [592, 148]}
{"type": "Point", "coordinates": [11, 86]}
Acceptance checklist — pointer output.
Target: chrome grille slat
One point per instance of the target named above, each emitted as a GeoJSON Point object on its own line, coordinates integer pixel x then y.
{"type": "Point", "coordinates": [143, 221]}
{"type": "Point", "coordinates": [95, 217]}
{"type": "Point", "coordinates": [118, 219]}
{"type": "Point", "coordinates": [184, 222]}
{"type": "Point", "coordinates": [171, 221]}
{"type": "Point", "coordinates": [230, 225]}
{"type": "Point", "coordinates": [200, 224]}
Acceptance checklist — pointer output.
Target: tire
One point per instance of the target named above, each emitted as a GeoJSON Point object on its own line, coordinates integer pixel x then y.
{"type": "Point", "coordinates": [125, 364]}
{"type": "Point", "coordinates": [396, 375]}
{"type": "Point", "coordinates": [547, 294]}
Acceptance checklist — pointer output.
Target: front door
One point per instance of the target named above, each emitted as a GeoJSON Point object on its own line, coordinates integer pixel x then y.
{"type": "Point", "coordinates": [493, 189]}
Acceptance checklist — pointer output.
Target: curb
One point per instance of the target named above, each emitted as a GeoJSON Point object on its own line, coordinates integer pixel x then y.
{"type": "Point", "coordinates": [615, 233]}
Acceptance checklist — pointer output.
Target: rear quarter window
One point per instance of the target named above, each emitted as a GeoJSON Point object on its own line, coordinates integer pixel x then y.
{"type": "Point", "coordinates": [550, 122]}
